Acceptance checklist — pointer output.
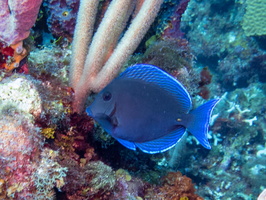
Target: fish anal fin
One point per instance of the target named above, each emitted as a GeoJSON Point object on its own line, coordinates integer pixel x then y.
{"type": "Point", "coordinates": [162, 144]}
{"type": "Point", "coordinates": [127, 144]}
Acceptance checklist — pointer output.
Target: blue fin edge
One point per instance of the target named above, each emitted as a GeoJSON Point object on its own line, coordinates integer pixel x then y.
{"type": "Point", "coordinates": [127, 144]}
{"type": "Point", "coordinates": [155, 75]}
{"type": "Point", "coordinates": [162, 144]}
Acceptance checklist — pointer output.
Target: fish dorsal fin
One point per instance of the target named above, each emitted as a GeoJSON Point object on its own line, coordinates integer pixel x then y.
{"type": "Point", "coordinates": [162, 144]}
{"type": "Point", "coordinates": [127, 144]}
{"type": "Point", "coordinates": [155, 75]}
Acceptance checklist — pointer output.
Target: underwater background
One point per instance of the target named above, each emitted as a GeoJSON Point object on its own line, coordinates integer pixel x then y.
{"type": "Point", "coordinates": [216, 49]}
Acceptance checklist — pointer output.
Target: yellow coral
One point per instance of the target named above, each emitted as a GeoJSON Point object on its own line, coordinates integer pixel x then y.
{"type": "Point", "coordinates": [2, 182]}
{"type": "Point", "coordinates": [254, 22]}
{"type": "Point", "coordinates": [123, 173]}
{"type": "Point", "coordinates": [16, 187]}
{"type": "Point", "coordinates": [19, 54]}
{"type": "Point", "coordinates": [48, 132]}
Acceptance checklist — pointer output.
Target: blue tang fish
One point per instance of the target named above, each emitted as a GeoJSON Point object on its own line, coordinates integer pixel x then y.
{"type": "Point", "coordinates": [147, 108]}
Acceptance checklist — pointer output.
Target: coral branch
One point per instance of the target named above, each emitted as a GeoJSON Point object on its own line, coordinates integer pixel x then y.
{"type": "Point", "coordinates": [82, 38]}
{"type": "Point", "coordinates": [106, 57]}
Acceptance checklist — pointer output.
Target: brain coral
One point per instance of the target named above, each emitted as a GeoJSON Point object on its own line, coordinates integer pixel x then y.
{"type": "Point", "coordinates": [254, 22]}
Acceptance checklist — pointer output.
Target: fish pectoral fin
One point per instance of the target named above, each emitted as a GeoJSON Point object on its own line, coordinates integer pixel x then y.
{"type": "Point", "coordinates": [127, 144]}
{"type": "Point", "coordinates": [162, 144]}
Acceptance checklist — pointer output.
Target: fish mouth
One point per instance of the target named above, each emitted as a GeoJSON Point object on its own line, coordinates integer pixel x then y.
{"type": "Point", "coordinates": [113, 111]}
{"type": "Point", "coordinates": [101, 115]}
{"type": "Point", "coordinates": [105, 115]}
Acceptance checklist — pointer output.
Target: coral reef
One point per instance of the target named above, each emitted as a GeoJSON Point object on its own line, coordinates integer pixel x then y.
{"type": "Point", "coordinates": [173, 56]}
{"type": "Point", "coordinates": [205, 16]}
{"type": "Point", "coordinates": [28, 170]}
{"type": "Point", "coordinates": [19, 92]}
{"type": "Point", "coordinates": [236, 150]}
{"type": "Point", "coordinates": [47, 152]}
{"type": "Point", "coordinates": [92, 180]}
{"type": "Point", "coordinates": [32, 107]}
{"type": "Point", "coordinates": [21, 145]}
{"type": "Point", "coordinates": [17, 18]}
{"type": "Point", "coordinates": [205, 80]}
{"type": "Point", "coordinates": [127, 187]}
{"type": "Point", "coordinates": [177, 187]}
{"type": "Point", "coordinates": [6, 53]}
{"type": "Point", "coordinates": [172, 30]}
{"type": "Point", "coordinates": [61, 16]}
{"type": "Point", "coordinates": [50, 62]}
{"type": "Point", "coordinates": [11, 60]}
{"type": "Point", "coordinates": [219, 42]}
{"type": "Point", "coordinates": [48, 175]}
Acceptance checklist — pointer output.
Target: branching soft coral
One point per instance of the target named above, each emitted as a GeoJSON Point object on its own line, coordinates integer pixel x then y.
{"type": "Point", "coordinates": [97, 60]}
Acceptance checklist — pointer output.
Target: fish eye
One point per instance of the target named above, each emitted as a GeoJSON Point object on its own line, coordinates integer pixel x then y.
{"type": "Point", "coordinates": [107, 96]}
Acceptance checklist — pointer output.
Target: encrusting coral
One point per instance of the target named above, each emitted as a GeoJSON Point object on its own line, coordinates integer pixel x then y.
{"type": "Point", "coordinates": [20, 92]}
{"type": "Point", "coordinates": [61, 16]}
{"type": "Point", "coordinates": [27, 170]}
{"type": "Point", "coordinates": [17, 18]}
{"type": "Point", "coordinates": [178, 187]}
{"type": "Point", "coordinates": [20, 144]}
{"type": "Point", "coordinates": [14, 57]}
{"type": "Point", "coordinates": [90, 181]}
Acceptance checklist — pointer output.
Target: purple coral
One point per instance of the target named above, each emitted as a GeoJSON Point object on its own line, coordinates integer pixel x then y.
{"type": "Point", "coordinates": [17, 18]}
{"type": "Point", "coordinates": [61, 16]}
{"type": "Point", "coordinates": [173, 29]}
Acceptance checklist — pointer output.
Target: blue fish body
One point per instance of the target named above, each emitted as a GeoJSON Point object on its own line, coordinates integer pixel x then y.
{"type": "Point", "coordinates": [147, 108]}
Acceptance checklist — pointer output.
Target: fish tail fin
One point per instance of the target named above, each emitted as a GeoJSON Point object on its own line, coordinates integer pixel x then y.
{"type": "Point", "coordinates": [200, 124]}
